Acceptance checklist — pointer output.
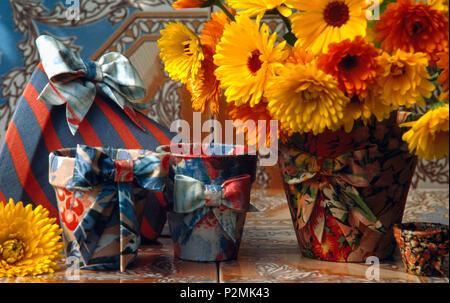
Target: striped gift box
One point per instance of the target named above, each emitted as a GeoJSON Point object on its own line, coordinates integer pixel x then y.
{"type": "Point", "coordinates": [37, 129]}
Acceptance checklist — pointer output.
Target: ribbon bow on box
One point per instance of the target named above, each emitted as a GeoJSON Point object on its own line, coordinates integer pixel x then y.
{"type": "Point", "coordinates": [75, 81]}
{"type": "Point", "coordinates": [332, 183]}
{"type": "Point", "coordinates": [195, 199]}
{"type": "Point", "coordinates": [94, 167]}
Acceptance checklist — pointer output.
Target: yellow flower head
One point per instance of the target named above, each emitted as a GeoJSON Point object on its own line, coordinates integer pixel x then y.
{"type": "Point", "coordinates": [365, 108]}
{"type": "Point", "coordinates": [429, 135]}
{"type": "Point", "coordinates": [322, 22]}
{"type": "Point", "coordinates": [259, 7]}
{"type": "Point", "coordinates": [246, 57]}
{"type": "Point", "coordinates": [30, 242]}
{"type": "Point", "coordinates": [305, 99]}
{"type": "Point", "coordinates": [181, 51]}
{"type": "Point", "coordinates": [404, 81]}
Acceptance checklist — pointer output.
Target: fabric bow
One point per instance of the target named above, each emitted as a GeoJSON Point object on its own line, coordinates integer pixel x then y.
{"type": "Point", "coordinates": [332, 183]}
{"type": "Point", "coordinates": [75, 81]}
{"type": "Point", "coordinates": [195, 199]}
{"type": "Point", "coordinates": [94, 167]}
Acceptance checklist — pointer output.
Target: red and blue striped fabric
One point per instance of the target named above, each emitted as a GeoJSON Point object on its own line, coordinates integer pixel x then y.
{"type": "Point", "coordinates": [37, 129]}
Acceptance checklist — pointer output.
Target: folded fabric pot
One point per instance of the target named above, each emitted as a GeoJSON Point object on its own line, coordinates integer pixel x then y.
{"type": "Point", "coordinates": [70, 101]}
{"type": "Point", "coordinates": [347, 190]}
{"type": "Point", "coordinates": [423, 247]}
{"type": "Point", "coordinates": [211, 196]}
{"type": "Point", "coordinates": [102, 195]}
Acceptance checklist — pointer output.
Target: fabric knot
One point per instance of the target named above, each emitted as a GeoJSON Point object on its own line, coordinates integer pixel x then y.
{"type": "Point", "coordinates": [124, 171]}
{"type": "Point", "coordinates": [93, 71]}
{"type": "Point", "coordinates": [213, 195]}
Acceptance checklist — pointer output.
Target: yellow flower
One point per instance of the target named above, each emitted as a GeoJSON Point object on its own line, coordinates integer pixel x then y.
{"type": "Point", "coordinates": [440, 5]}
{"type": "Point", "coordinates": [305, 99]}
{"type": "Point", "coordinates": [259, 7]}
{"type": "Point", "coordinates": [30, 242]}
{"type": "Point", "coordinates": [322, 22]}
{"type": "Point", "coordinates": [181, 51]}
{"type": "Point", "coordinates": [364, 108]}
{"type": "Point", "coordinates": [404, 81]}
{"type": "Point", "coordinates": [246, 57]}
{"type": "Point", "coordinates": [429, 135]}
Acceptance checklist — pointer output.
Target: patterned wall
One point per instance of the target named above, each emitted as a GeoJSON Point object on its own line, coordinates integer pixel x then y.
{"type": "Point", "coordinates": [130, 27]}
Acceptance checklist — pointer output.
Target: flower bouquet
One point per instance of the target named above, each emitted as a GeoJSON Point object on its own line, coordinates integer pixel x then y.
{"type": "Point", "coordinates": [359, 89]}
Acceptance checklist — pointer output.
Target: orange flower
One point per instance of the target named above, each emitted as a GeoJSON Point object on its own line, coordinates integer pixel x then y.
{"type": "Point", "coordinates": [444, 77]}
{"type": "Point", "coordinates": [324, 250]}
{"type": "Point", "coordinates": [204, 88]}
{"type": "Point", "coordinates": [246, 113]}
{"type": "Point", "coordinates": [413, 27]}
{"type": "Point", "coordinates": [180, 4]}
{"type": "Point", "coordinates": [299, 55]}
{"type": "Point", "coordinates": [353, 64]}
{"type": "Point", "coordinates": [213, 29]}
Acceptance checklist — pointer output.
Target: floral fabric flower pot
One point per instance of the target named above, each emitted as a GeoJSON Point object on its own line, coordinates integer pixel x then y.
{"type": "Point", "coordinates": [102, 194]}
{"type": "Point", "coordinates": [347, 190]}
{"type": "Point", "coordinates": [423, 247]}
{"type": "Point", "coordinates": [211, 195]}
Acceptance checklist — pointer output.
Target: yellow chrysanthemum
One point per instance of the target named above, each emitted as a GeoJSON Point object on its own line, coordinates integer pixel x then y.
{"type": "Point", "coordinates": [259, 7]}
{"type": "Point", "coordinates": [440, 5]}
{"type": "Point", "coordinates": [322, 22]}
{"type": "Point", "coordinates": [181, 51]}
{"type": "Point", "coordinates": [305, 99]}
{"type": "Point", "coordinates": [404, 81]}
{"type": "Point", "coordinates": [365, 108]}
{"type": "Point", "coordinates": [30, 242]}
{"type": "Point", "coordinates": [429, 136]}
{"type": "Point", "coordinates": [246, 57]}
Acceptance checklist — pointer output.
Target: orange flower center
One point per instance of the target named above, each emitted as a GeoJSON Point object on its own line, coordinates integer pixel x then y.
{"type": "Point", "coordinates": [349, 62]}
{"type": "Point", "coordinates": [12, 251]}
{"type": "Point", "coordinates": [254, 63]}
{"type": "Point", "coordinates": [397, 71]}
{"type": "Point", "coordinates": [336, 13]}
{"type": "Point", "coordinates": [417, 28]}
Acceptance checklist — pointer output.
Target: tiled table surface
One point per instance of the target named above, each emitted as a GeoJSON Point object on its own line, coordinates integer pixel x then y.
{"type": "Point", "coordinates": [268, 253]}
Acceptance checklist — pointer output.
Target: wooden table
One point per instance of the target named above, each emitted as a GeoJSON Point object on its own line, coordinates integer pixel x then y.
{"type": "Point", "coordinates": [268, 253]}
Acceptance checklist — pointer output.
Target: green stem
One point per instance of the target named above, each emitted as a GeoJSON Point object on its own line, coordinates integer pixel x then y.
{"type": "Point", "coordinates": [220, 5]}
{"type": "Point", "coordinates": [289, 36]}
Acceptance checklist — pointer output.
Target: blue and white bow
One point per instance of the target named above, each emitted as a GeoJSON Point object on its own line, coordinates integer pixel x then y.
{"type": "Point", "coordinates": [195, 199]}
{"type": "Point", "coordinates": [74, 81]}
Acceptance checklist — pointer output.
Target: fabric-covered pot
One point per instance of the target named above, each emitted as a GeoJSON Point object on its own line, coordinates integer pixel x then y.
{"type": "Point", "coordinates": [423, 247]}
{"type": "Point", "coordinates": [210, 196]}
{"type": "Point", "coordinates": [347, 190]}
{"type": "Point", "coordinates": [102, 194]}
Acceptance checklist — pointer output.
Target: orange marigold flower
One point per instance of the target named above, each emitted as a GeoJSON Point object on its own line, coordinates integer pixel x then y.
{"type": "Point", "coordinates": [353, 64]}
{"type": "Point", "coordinates": [413, 27]}
{"type": "Point", "coordinates": [444, 77]}
{"type": "Point", "coordinates": [213, 29]}
{"type": "Point", "coordinates": [204, 88]}
{"type": "Point", "coordinates": [180, 4]}
{"type": "Point", "coordinates": [246, 113]}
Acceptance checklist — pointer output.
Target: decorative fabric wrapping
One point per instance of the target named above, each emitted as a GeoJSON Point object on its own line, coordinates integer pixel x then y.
{"type": "Point", "coordinates": [331, 184]}
{"type": "Point", "coordinates": [347, 190]}
{"type": "Point", "coordinates": [89, 103]}
{"type": "Point", "coordinates": [423, 247]}
{"type": "Point", "coordinates": [104, 190]}
{"type": "Point", "coordinates": [195, 199]}
{"type": "Point", "coordinates": [209, 196]}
